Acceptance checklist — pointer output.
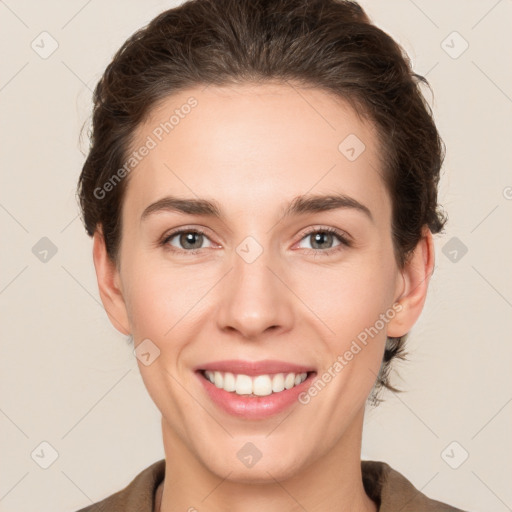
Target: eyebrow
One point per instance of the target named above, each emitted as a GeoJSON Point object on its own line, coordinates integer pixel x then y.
{"type": "Point", "coordinates": [300, 205]}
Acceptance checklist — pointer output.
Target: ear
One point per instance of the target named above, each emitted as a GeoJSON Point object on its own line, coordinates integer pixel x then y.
{"type": "Point", "coordinates": [416, 277]}
{"type": "Point", "coordinates": [108, 278]}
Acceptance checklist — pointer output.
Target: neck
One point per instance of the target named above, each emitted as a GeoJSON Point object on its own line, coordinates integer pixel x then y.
{"type": "Point", "coordinates": [332, 483]}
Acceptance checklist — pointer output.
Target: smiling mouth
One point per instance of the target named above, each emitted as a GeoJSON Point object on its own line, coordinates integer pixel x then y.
{"type": "Point", "coordinates": [256, 385]}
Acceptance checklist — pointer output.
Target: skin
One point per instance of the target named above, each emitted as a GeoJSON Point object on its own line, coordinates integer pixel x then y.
{"type": "Point", "coordinates": [252, 148]}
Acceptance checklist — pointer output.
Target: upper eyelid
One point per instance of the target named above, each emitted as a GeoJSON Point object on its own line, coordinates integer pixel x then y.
{"type": "Point", "coordinates": [169, 236]}
{"type": "Point", "coordinates": [343, 237]}
{"type": "Point", "coordinates": [334, 231]}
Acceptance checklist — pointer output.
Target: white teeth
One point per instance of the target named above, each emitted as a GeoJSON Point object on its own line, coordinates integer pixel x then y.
{"type": "Point", "coordinates": [229, 382]}
{"type": "Point", "coordinates": [261, 385]}
{"type": "Point", "coordinates": [218, 379]}
{"type": "Point", "coordinates": [278, 383]}
{"type": "Point", "coordinates": [289, 381]}
{"type": "Point", "coordinates": [243, 385]}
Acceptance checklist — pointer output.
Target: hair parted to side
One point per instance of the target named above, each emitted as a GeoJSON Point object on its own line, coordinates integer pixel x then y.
{"type": "Point", "coordinates": [326, 44]}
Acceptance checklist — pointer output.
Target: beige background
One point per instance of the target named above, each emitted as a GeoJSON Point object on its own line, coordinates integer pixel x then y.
{"type": "Point", "coordinates": [70, 380]}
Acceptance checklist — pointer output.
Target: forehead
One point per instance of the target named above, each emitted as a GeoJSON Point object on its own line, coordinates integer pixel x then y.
{"type": "Point", "coordinates": [254, 145]}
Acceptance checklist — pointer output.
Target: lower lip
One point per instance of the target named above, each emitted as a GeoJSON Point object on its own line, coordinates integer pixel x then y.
{"type": "Point", "coordinates": [254, 407]}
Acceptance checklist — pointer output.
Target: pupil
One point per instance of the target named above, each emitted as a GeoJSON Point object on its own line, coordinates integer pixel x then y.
{"type": "Point", "coordinates": [189, 238]}
{"type": "Point", "coordinates": [319, 236]}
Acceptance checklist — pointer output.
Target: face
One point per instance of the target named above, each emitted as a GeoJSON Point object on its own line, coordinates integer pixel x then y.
{"type": "Point", "coordinates": [260, 277]}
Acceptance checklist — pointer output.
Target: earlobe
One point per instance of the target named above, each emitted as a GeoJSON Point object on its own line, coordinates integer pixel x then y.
{"type": "Point", "coordinates": [416, 277]}
{"type": "Point", "coordinates": [107, 276]}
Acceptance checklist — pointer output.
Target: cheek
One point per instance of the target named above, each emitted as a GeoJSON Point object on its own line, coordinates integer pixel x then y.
{"type": "Point", "coordinates": [160, 298]}
{"type": "Point", "coordinates": [353, 298]}
{"type": "Point", "coordinates": [356, 305]}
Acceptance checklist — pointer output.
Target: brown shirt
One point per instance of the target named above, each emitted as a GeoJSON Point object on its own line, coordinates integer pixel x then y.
{"type": "Point", "coordinates": [388, 488]}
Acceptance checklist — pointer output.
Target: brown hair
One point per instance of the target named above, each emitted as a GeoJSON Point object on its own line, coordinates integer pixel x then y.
{"type": "Point", "coordinates": [327, 44]}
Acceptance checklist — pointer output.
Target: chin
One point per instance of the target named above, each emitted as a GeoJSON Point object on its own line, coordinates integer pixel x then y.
{"type": "Point", "coordinates": [250, 465]}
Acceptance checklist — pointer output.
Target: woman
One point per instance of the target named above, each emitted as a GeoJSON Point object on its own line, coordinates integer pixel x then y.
{"type": "Point", "coordinates": [261, 189]}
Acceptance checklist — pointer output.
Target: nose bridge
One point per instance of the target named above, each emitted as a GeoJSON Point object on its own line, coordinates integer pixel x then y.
{"type": "Point", "coordinates": [254, 299]}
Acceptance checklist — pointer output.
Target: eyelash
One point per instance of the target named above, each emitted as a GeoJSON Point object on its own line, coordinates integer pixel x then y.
{"type": "Point", "coordinates": [344, 241]}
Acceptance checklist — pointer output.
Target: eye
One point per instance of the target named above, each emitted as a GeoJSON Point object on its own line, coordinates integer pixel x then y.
{"type": "Point", "coordinates": [323, 238]}
{"type": "Point", "coordinates": [188, 240]}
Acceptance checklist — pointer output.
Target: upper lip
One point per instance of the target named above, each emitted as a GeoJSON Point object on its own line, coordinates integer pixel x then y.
{"type": "Point", "coordinates": [266, 366]}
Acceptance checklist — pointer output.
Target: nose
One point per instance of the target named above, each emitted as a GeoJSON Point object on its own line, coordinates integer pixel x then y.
{"type": "Point", "coordinates": [255, 300]}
